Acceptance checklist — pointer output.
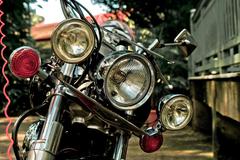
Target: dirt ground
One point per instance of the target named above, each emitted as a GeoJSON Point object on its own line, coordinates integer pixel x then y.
{"type": "Point", "coordinates": [178, 145]}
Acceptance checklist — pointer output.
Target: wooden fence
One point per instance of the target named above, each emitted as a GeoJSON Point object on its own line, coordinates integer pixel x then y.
{"type": "Point", "coordinates": [216, 27]}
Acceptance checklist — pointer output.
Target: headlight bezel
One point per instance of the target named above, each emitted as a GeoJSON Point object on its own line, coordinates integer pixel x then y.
{"type": "Point", "coordinates": [168, 101]}
{"type": "Point", "coordinates": [81, 26]}
{"type": "Point", "coordinates": [149, 90]}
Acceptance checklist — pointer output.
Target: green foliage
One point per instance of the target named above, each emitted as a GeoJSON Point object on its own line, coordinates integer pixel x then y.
{"type": "Point", "coordinates": [17, 21]}
{"type": "Point", "coordinates": [176, 73]}
{"type": "Point", "coordinates": [169, 15]}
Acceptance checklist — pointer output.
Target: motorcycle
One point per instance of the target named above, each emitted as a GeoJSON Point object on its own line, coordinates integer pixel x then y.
{"type": "Point", "coordinates": [96, 91]}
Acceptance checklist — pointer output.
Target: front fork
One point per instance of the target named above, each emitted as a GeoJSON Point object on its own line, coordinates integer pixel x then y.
{"type": "Point", "coordinates": [120, 151]}
{"type": "Point", "coordinates": [46, 147]}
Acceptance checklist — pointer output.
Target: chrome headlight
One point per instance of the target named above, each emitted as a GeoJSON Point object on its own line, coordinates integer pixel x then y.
{"type": "Point", "coordinates": [129, 81]}
{"type": "Point", "coordinates": [175, 111]}
{"type": "Point", "coordinates": [73, 41]}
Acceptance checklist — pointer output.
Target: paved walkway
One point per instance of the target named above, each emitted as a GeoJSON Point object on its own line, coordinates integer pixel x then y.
{"type": "Point", "coordinates": [178, 145]}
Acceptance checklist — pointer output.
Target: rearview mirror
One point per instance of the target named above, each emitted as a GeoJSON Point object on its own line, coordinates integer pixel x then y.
{"type": "Point", "coordinates": [188, 43]}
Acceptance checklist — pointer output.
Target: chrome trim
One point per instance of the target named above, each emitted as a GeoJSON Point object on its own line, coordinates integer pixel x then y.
{"type": "Point", "coordinates": [49, 140]}
{"type": "Point", "coordinates": [102, 112]}
{"type": "Point", "coordinates": [140, 102]}
{"type": "Point", "coordinates": [54, 138]}
{"type": "Point", "coordinates": [120, 48]}
{"type": "Point", "coordinates": [99, 128]}
{"type": "Point", "coordinates": [99, 110]}
{"type": "Point", "coordinates": [129, 112]}
{"type": "Point", "coordinates": [168, 101]}
{"type": "Point", "coordinates": [80, 120]}
{"type": "Point", "coordinates": [39, 155]}
{"type": "Point", "coordinates": [76, 23]}
{"type": "Point", "coordinates": [67, 69]}
{"type": "Point", "coordinates": [138, 45]}
{"type": "Point", "coordinates": [42, 74]}
{"type": "Point", "coordinates": [121, 146]}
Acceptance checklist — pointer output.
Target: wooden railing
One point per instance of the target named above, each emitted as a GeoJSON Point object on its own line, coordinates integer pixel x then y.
{"type": "Point", "coordinates": [216, 27]}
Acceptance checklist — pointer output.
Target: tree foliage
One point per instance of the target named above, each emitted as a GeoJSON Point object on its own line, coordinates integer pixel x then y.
{"type": "Point", "coordinates": [17, 21]}
{"type": "Point", "coordinates": [169, 15]}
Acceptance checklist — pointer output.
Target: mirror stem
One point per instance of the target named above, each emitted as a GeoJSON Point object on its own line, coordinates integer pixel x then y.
{"type": "Point", "coordinates": [170, 44]}
{"type": "Point", "coordinates": [157, 44]}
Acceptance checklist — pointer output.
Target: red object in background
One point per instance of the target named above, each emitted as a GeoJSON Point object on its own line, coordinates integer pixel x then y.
{"type": "Point", "coordinates": [101, 18]}
{"type": "Point", "coordinates": [42, 32]}
{"type": "Point", "coordinates": [24, 62]}
{"type": "Point", "coordinates": [152, 118]}
{"type": "Point", "coordinates": [152, 143]}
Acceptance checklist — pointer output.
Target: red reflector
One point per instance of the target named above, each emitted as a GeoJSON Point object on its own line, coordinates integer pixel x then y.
{"type": "Point", "coordinates": [152, 143]}
{"type": "Point", "coordinates": [24, 62]}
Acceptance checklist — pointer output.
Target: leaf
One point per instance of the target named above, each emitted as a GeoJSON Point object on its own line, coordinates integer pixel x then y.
{"type": "Point", "coordinates": [39, 6]}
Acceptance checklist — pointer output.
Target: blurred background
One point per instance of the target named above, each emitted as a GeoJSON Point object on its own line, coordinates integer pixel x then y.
{"type": "Point", "coordinates": [30, 22]}
{"type": "Point", "coordinates": [210, 76]}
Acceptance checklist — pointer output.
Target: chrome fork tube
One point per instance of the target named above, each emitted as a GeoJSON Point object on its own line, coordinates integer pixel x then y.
{"type": "Point", "coordinates": [46, 147]}
{"type": "Point", "coordinates": [120, 151]}
{"type": "Point", "coordinates": [67, 71]}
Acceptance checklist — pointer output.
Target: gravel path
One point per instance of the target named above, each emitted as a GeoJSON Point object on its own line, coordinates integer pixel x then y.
{"type": "Point", "coordinates": [178, 145]}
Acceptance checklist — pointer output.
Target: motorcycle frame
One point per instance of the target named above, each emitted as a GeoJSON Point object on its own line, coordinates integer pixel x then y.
{"type": "Point", "coordinates": [46, 147]}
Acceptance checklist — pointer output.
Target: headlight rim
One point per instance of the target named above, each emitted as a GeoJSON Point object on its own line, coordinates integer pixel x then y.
{"type": "Point", "coordinates": [90, 35]}
{"type": "Point", "coordinates": [149, 90]}
{"type": "Point", "coordinates": [165, 102]}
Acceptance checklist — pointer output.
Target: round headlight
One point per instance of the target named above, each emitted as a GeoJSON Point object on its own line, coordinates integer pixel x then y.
{"type": "Point", "coordinates": [129, 81]}
{"type": "Point", "coordinates": [175, 111]}
{"type": "Point", "coordinates": [73, 41]}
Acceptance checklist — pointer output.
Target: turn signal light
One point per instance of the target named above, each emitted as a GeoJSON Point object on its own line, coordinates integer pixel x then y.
{"type": "Point", "coordinates": [24, 62]}
{"type": "Point", "coordinates": [151, 143]}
